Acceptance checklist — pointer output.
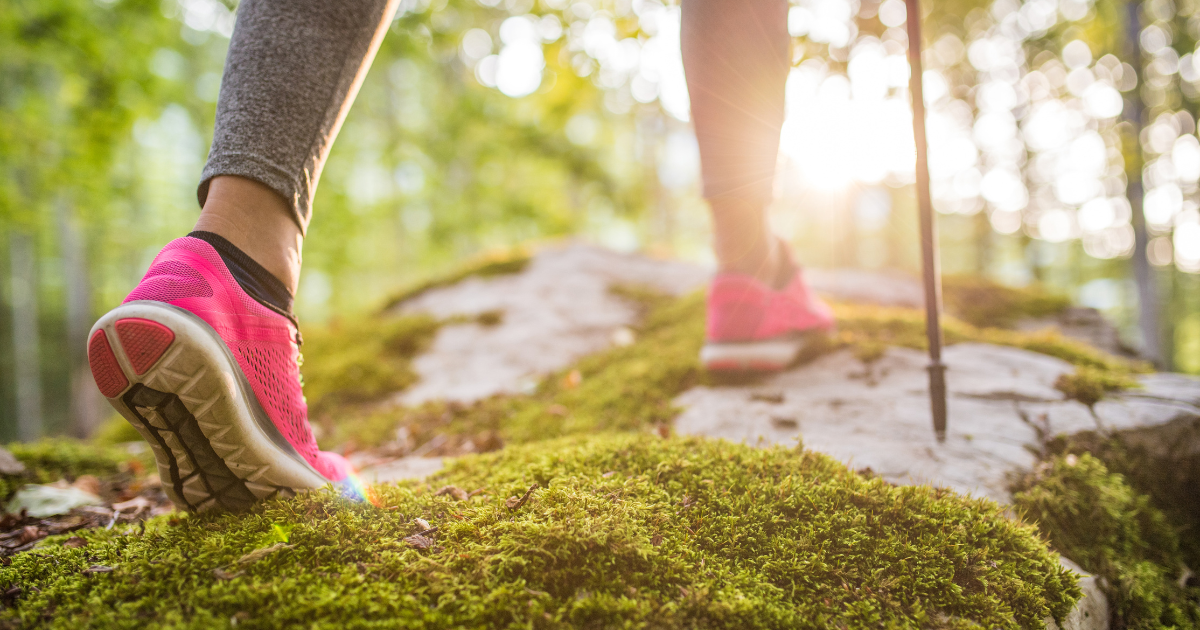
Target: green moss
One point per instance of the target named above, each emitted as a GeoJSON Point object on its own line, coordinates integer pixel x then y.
{"type": "Point", "coordinates": [1168, 478]}
{"type": "Point", "coordinates": [623, 388]}
{"type": "Point", "coordinates": [865, 324]}
{"type": "Point", "coordinates": [624, 532]}
{"type": "Point", "coordinates": [632, 387]}
{"type": "Point", "coordinates": [115, 431]}
{"type": "Point", "coordinates": [1089, 385]}
{"type": "Point", "coordinates": [982, 302]}
{"type": "Point", "coordinates": [487, 265]}
{"type": "Point", "coordinates": [361, 360]}
{"type": "Point", "coordinates": [51, 459]}
{"type": "Point", "coordinates": [1097, 519]}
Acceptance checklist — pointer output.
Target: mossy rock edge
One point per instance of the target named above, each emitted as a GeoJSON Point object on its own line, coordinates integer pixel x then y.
{"type": "Point", "coordinates": [625, 531]}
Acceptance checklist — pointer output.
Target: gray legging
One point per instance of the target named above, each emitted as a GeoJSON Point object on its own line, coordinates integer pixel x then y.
{"type": "Point", "coordinates": [294, 67]}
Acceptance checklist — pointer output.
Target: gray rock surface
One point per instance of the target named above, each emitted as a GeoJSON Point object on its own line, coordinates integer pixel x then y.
{"type": "Point", "coordinates": [413, 467]}
{"type": "Point", "coordinates": [877, 416]}
{"type": "Point", "coordinates": [1084, 324]}
{"type": "Point", "coordinates": [9, 464]}
{"type": "Point", "coordinates": [1002, 406]}
{"type": "Point", "coordinates": [558, 310]}
{"type": "Point", "coordinates": [1091, 613]}
{"type": "Point", "coordinates": [868, 287]}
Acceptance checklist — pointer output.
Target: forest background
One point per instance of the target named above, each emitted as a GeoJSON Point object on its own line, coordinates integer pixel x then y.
{"type": "Point", "coordinates": [1063, 153]}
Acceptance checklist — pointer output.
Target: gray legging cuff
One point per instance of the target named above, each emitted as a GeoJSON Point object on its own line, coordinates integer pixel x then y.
{"type": "Point", "coordinates": [291, 73]}
{"type": "Point", "coordinates": [296, 192]}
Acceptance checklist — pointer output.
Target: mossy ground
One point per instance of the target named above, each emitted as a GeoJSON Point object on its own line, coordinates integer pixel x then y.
{"type": "Point", "coordinates": [627, 529]}
{"type": "Point", "coordinates": [622, 532]}
{"type": "Point", "coordinates": [49, 460]}
{"type": "Point", "coordinates": [1100, 521]}
{"type": "Point", "coordinates": [982, 302]}
{"type": "Point", "coordinates": [632, 387]}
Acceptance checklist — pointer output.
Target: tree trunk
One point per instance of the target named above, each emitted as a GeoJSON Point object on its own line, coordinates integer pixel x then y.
{"type": "Point", "coordinates": [85, 410]}
{"type": "Point", "coordinates": [26, 363]}
{"type": "Point", "coordinates": [1143, 275]}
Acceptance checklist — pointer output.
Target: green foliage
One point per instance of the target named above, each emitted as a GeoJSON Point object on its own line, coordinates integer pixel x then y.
{"type": "Point", "coordinates": [1089, 385]}
{"type": "Point", "coordinates": [74, 77]}
{"type": "Point", "coordinates": [984, 303]}
{"type": "Point", "coordinates": [1097, 519]}
{"type": "Point", "coordinates": [625, 532]}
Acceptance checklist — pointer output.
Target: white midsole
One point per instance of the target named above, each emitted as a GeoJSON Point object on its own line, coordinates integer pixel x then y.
{"type": "Point", "coordinates": [771, 352]}
{"type": "Point", "coordinates": [199, 369]}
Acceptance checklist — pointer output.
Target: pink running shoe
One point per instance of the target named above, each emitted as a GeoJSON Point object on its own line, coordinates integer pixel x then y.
{"type": "Point", "coordinates": [754, 328]}
{"type": "Point", "coordinates": [211, 379]}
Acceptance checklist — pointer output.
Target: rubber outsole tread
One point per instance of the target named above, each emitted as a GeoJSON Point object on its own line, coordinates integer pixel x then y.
{"type": "Point", "coordinates": [221, 486]}
{"type": "Point", "coordinates": [105, 369]}
{"type": "Point", "coordinates": [143, 341]}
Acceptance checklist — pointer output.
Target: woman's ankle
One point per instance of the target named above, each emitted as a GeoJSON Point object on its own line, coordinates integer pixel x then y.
{"type": "Point", "coordinates": [743, 242]}
{"type": "Point", "coordinates": [256, 220]}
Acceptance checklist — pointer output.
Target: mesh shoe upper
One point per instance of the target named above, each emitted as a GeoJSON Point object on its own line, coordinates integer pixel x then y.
{"type": "Point", "coordinates": [188, 273]}
{"type": "Point", "coordinates": [742, 308]}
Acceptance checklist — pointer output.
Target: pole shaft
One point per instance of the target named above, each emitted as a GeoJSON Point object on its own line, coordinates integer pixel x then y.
{"type": "Point", "coordinates": [929, 251]}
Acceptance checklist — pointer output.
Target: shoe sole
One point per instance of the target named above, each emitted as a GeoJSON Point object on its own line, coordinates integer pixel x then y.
{"type": "Point", "coordinates": [173, 378]}
{"type": "Point", "coordinates": [770, 355]}
{"type": "Point", "coordinates": [767, 355]}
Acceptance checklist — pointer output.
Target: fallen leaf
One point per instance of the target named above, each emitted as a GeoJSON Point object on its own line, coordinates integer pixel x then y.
{"type": "Point", "coordinates": [87, 483]}
{"type": "Point", "coordinates": [259, 554]}
{"type": "Point", "coordinates": [29, 533]}
{"type": "Point", "coordinates": [136, 504]}
{"type": "Point", "coordinates": [419, 541]}
{"type": "Point", "coordinates": [453, 491]}
{"type": "Point", "coordinates": [222, 574]}
{"type": "Point", "coordinates": [41, 501]}
{"type": "Point", "coordinates": [98, 568]}
{"type": "Point", "coordinates": [514, 503]}
{"type": "Point", "coordinates": [74, 542]}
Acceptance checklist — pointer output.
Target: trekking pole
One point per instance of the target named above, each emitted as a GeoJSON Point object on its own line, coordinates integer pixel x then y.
{"type": "Point", "coordinates": [929, 251]}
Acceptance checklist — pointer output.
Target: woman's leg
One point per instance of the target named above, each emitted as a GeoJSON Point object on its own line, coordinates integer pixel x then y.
{"type": "Point", "coordinates": [203, 356]}
{"type": "Point", "coordinates": [736, 54]}
{"type": "Point", "coordinates": [293, 69]}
